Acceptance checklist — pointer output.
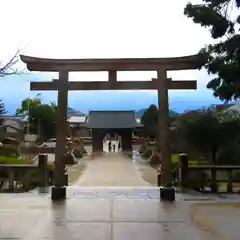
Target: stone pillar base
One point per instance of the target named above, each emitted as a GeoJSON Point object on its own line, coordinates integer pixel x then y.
{"type": "Point", "coordinates": [58, 193]}
{"type": "Point", "coordinates": [167, 194]}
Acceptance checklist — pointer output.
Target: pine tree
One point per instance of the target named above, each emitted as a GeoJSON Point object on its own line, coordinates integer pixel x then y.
{"type": "Point", "coordinates": [221, 59]}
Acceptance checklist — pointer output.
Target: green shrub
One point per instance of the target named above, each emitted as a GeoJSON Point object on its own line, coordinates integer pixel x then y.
{"type": "Point", "coordinates": [142, 148]}
{"type": "Point", "coordinates": [30, 179]}
{"type": "Point", "coordinates": [154, 160]}
{"type": "Point", "coordinates": [175, 157]}
{"type": "Point", "coordinates": [229, 155]}
{"type": "Point", "coordinates": [236, 175]}
{"type": "Point", "coordinates": [9, 152]}
{"type": "Point", "coordinates": [69, 159]}
{"type": "Point", "coordinates": [197, 180]}
{"type": "Point", "coordinates": [77, 153]}
{"type": "Point", "coordinates": [147, 153]}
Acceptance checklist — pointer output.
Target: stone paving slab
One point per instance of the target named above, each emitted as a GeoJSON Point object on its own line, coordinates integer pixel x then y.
{"type": "Point", "coordinates": [32, 216]}
{"type": "Point", "coordinates": [111, 169]}
{"type": "Point", "coordinates": [28, 216]}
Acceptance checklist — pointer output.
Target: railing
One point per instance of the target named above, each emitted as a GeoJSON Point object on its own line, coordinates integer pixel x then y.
{"type": "Point", "coordinates": [24, 174]}
{"type": "Point", "coordinates": [207, 178]}
{"type": "Point", "coordinates": [37, 150]}
{"type": "Point", "coordinates": [27, 175]}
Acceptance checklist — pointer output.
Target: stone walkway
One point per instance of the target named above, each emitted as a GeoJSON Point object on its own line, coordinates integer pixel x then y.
{"type": "Point", "coordinates": [111, 169]}
{"type": "Point", "coordinates": [32, 216]}
{"type": "Point", "coordinates": [115, 213]}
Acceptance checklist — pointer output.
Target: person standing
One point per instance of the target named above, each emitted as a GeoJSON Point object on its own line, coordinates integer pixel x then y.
{"type": "Point", "coordinates": [114, 147]}
{"type": "Point", "coordinates": [109, 146]}
{"type": "Point", "coordinates": [119, 146]}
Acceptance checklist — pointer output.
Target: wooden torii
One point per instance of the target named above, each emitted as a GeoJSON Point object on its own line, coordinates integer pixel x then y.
{"type": "Point", "coordinates": [162, 84]}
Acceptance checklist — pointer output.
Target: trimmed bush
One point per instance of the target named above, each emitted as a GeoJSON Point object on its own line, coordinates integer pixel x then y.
{"type": "Point", "coordinates": [197, 180]}
{"type": "Point", "coordinates": [154, 160]}
{"type": "Point", "coordinates": [142, 148]}
{"type": "Point", "coordinates": [236, 175]}
{"type": "Point", "coordinates": [69, 159]}
{"type": "Point", "coordinates": [147, 153]}
{"type": "Point", "coordinates": [30, 179]}
{"type": "Point", "coordinates": [77, 153]}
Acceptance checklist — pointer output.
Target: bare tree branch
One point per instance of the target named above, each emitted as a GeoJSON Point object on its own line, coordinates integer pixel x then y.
{"type": "Point", "coordinates": [9, 67]}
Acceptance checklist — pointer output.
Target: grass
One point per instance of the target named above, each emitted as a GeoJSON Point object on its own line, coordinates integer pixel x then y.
{"type": "Point", "coordinates": [13, 160]}
{"type": "Point", "coordinates": [218, 204]}
{"type": "Point", "coordinates": [222, 187]}
{"type": "Point", "coordinates": [228, 205]}
{"type": "Point", "coordinates": [175, 159]}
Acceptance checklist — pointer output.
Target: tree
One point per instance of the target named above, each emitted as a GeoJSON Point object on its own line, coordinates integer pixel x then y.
{"type": "Point", "coordinates": [41, 115]}
{"type": "Point", "coordinates": [2, 108]}
{"type": "Point", "coordinates": [210, 131]}
{"type": "Point", "coordinates": [8, 68]}
{"type": "Point", "coordinates": [222, 59]}
{"type": "Point", "coordinates": [150, 121]}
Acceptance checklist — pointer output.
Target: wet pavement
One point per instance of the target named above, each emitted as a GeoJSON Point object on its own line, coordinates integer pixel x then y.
{"type": "Point", "coordinates": [111, 169]}
{"type": "Point", "coordinates": [130, 209]}
{"type": "Point", "coordinates": [33, 216]}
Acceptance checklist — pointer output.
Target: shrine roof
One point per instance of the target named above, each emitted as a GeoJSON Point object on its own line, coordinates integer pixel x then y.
{"type": "Point", "coordinates": [112, 64]}
{"type": "Point", "coordinates": [112, 120]}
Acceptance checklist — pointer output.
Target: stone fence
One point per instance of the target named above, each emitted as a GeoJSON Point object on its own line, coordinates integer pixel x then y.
{"type": "Point", "coordinates": [34, 150]}
{"type": "Point", "coordinates": [25, 174]}
{"type": "Point", "coordinates": [217, 179]}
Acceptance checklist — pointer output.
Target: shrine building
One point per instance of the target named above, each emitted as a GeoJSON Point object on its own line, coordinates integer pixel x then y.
{"type": "Point", "coordinates": [102, 123]}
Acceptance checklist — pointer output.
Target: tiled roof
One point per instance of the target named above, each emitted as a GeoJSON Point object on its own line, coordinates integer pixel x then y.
{"type": "Point", "coordinates": [112, 119]}
{"type": "Point", "coordinates": [72, 112]}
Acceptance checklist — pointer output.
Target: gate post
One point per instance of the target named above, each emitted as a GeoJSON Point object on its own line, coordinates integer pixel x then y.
{"type": "Point", "coordinates": [167, 192]}
{"type": "Point", "coordinates": [59, 188]}
{"type": "Point", "coordinates": [43, 170]}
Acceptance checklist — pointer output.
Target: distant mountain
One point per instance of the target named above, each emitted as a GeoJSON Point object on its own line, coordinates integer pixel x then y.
{"type": "Point", "coordinates": [140, 112]}
{"type": "Point", "coordinates": [84, 101]}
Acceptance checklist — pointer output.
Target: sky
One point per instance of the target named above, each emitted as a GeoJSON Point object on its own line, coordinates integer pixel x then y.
{"type": "Point", "coordinates": [101, 29]}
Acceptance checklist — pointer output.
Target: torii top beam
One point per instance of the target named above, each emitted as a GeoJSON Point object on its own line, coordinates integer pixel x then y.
{"type": "Point", "coordinates": [111, 64]}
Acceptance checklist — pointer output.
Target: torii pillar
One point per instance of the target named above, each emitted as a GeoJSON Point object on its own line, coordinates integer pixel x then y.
{"type": "Point", "coordinates": [167, 191]}
{"type": "Point", "coordinates": [59, 187]}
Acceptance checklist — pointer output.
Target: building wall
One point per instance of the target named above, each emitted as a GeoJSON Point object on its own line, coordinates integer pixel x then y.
{"type": "Point", "coordinates": [80, 132]}
{"type": "Point", "coordinates": [97, 140]}
{"type": "Point", "coordinates": [13, 123]}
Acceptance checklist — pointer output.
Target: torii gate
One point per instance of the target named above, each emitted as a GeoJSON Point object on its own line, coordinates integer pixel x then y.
{"type": "Point", "coordinates": [112, 66]}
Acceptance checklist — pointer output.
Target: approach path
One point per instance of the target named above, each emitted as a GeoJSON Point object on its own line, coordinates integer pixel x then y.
{"type": "Point", "coordinates": [111, 169]}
